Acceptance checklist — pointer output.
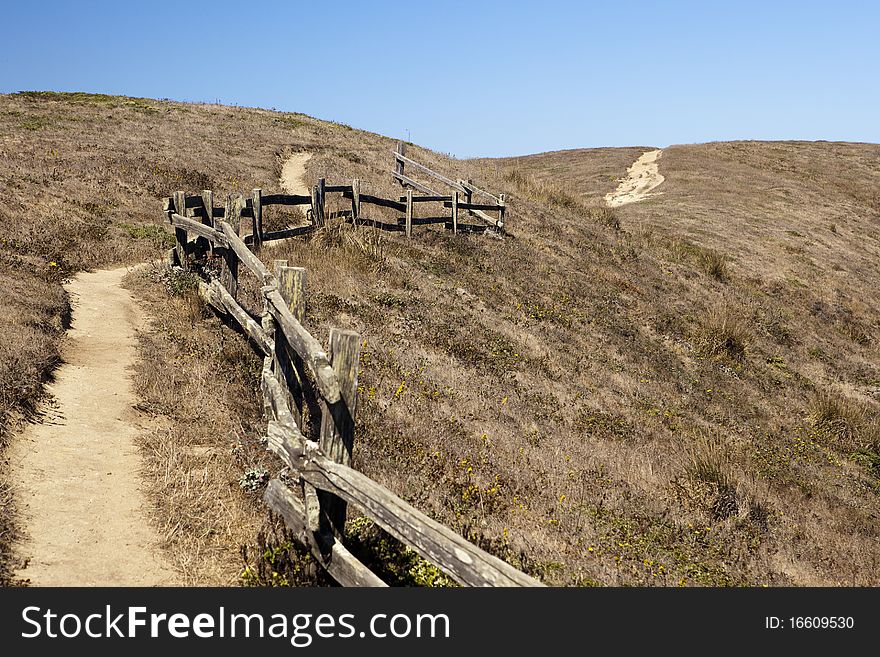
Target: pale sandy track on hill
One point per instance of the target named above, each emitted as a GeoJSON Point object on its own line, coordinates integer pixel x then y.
{"type": "Point", "coordinates": [293, 181]}
{"type": "Point", "coordinates": [642, 177]}
{"type": "Point", "coordinates": [77, 472]}
{"type": "Point", "coordinates": [293, 174]}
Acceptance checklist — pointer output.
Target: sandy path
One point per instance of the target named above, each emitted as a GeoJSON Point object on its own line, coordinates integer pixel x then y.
{"type": "Point", "coordinates": [293, 181]}
{"type": "Point", "coordinates": [641, 178]}
{"type": "Point", "coordinates": [78, 472]}
{"type": "Point", "coordinates": [293, 174]}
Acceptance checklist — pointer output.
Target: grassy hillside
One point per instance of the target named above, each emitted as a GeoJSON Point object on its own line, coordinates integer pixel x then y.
{"type": "Point", "coordinates": [683, 391]}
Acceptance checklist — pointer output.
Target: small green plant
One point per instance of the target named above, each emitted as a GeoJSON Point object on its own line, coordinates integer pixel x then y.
{"type": "Point", "coordinates": [604, 424]}
{"type": "Point", "coordinates": [36, 123]}
{"type": "Point", "coordinates": [869, 457]}
{"type": "Point", "coordinates": [277, 561]}
{"type": "Point", "coordinates": [394, 562]}
{"type": "Point", "coordinates": [149, 232]}
{"type": "Point", "coordinates": [254, 479]}
{"type": "Point", "coordinates": [178, 282]}
{"type": "Point", "coordinates": [290, 121]}
{"type": "Point", "coordinates": [354, 158]}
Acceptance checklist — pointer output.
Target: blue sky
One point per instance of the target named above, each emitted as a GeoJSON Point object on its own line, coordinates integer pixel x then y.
{"type": "Point", "coordinates": [479, 78]}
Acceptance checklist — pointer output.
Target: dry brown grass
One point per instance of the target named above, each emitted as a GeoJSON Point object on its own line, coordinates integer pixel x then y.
{"type": "Point", "coordinates": [723, 333]}
{"type": "Point", "coordinates": [544, 191]}
{"type": "Point", "coordinates": [36, 313]}
{"type": "Point", "coordinates": [588, 172]}
{"type": "Point", "coordinates": [714, 264]}
{"type": "Point", "coordinates": [547, 192]}
{"type": "Point", "coordinates": [196, 380]}
{"type": "Point", "coordinates": [798, 222]}
{"type": "Point", "coordinates": [534, 393]}
{"type": "Point", "coordinates": [709, 484]}
{"type": "Point", "coordinates": [848, 424]}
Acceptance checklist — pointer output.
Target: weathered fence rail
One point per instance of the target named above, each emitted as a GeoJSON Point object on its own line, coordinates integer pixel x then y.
{"type": "Point", "coordinates": [464, 187]}
{"type": "Point", "coordinates": [197, 214]}
{"type": "Point", "coordinates": [301, 380]}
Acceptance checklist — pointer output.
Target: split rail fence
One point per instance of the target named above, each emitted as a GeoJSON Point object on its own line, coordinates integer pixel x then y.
{"type": "Point", "coordinates": [301, 378]}
{"type": "Point", "coordinates": [197, 213]}
{"type": "Point", "coordinates": [465, 188]}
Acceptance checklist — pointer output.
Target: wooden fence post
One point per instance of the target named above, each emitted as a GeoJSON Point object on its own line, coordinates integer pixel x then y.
{"type": "Point", "coordinates": [258, 218]}
{"type": "Point", "coordinates": [277, 267]}
{"type": "Point", "coordinates": [398, 165]}
{"type": "Point", "coordinates": [237, 220]}
{"type": "Point", "coordinates": [321, 199]}
{"type": "Point", "coordinates": [355, 200]}
{"type": "Point", "coordinates": [208, 204]}
{"type": "Point", "coordinates": [292, 287]}
{"type": "Point", "coordinates": [168, 207]}
{"type": "Point", "coordinates": [469, 196]}
{"type": "Point", "coordinates": [180, 233]}
{"type": "Point", "coordinates": [409, 211]}
{"type": "Point", "coordinates": [267, 322]}
{"type": "Point", "coordinates": [454, 213]}
{"type": "Point", "coordinates": [501, 212]}
{"type": "Point", "coordinates": [168, 210]}
{"type": "Point", "coordinates": [232, 216]}
{"type": "Point", "coordinates": [337, 421]}
{"type": "Point", "coordinates": [314, 193]}
{"type": "Point", "coordinates": [318, 203]}
{"type": "Point", "coordinates": [292, 282]}
{"type": "Point", "coordinates": [208, 219]}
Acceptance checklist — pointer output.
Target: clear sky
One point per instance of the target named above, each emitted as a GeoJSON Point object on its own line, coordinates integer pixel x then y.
{"type": "Point", "coordinates": [478, 78]}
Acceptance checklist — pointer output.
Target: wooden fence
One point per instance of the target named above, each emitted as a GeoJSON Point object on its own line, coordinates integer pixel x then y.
{"type": "Point", "coordinates": [464, 187]}
{"type": "Point", "coordinates": [196, 214]}
{"type": "Point", "coordinates": [300, 378]}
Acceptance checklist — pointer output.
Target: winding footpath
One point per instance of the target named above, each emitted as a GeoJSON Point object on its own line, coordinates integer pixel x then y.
{"type": "Point", "coordinates": [77, 472]}
{"type": "Point", "coordinates": [293, 174]}
{"type": "Point", "coordinates": [642, 177]}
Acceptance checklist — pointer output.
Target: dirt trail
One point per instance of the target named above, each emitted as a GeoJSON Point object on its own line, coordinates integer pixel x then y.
{"type": "Point", "coordinates": [293, 174]}
{"type": "Point", "coordinates": [77, 472]}
{"type": "Point", "coordinates": [293, 181]}
{"type": "Point", "coordinates": [641, 178]}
